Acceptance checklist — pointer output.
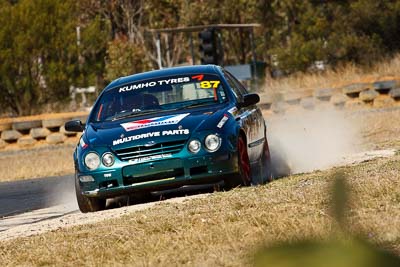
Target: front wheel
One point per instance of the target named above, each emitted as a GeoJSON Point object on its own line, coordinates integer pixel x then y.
{"type": "Point", "coordinates": [266, 173]}
{"type": "Point", "coordinates": [244, 162]}
{"type": "Point", "coordinates": [244, 175]}
{"type": "Point", "coordinates": [88, 204]}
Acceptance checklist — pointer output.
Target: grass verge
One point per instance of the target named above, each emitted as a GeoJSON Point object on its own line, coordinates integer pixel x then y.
{"type": "Point", "coordinates": [37, 162]}
{"type": "Point", "coordinates": [226, 228]}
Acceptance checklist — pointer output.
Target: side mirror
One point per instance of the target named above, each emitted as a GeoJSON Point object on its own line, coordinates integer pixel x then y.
{"type": "Point", "coordinates": [249, 99]}
{"type": "Point", "coordinates": [74, 126]}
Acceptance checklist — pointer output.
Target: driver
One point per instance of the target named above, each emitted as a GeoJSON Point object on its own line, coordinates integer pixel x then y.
{"type": "Point", "coordinates": [150, 102]}
{"type": "Point", "coordinates": [132, 102]}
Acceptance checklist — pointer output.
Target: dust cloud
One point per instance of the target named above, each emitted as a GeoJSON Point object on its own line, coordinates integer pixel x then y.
{"type": "Point", "coordinates": [311, 140]}
{"type": "Point", "coordinates": [63, 194]}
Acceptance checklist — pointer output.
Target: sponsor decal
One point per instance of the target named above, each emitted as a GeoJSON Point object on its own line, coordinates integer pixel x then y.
{"type": "Point", "coordinates": [131, 87]}
{"type": "Point", "coordinates": [223, 121]}
{"type": "Point", "coordinates": [150, 134]}
{"type": "Point", "coordinates": [233, 111]}
{"type": "Point", "coordinates": [175, 132]}
{"type": "Point", "coordinates": [135, 137]}
{"type": "Point", "coordinates": [173, 81]}
{"type": "Point", "coordinates": [83, 144]}
{"type": "Point", "coordinates": [155, 157]}
{"type": "Point", "coordinates": [157, 121]}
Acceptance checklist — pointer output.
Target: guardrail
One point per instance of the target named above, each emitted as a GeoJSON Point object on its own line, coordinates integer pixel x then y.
{"type": "Point", "coordinates": [48, 129]}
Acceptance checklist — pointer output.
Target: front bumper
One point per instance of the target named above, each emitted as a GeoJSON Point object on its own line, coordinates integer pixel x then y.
{"type": "Point", "coordinates": [160, 175]}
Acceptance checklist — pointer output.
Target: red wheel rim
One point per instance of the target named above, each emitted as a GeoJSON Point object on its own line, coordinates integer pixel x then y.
{"type": "Point", "coordinates": [266, 150]}
{"type": "Point", "coordinates": [244, 161]}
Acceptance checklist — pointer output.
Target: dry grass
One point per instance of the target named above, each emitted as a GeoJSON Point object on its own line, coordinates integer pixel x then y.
{"type": "Point", "coordinates": [334, 78]}
{"type": "Point", "coordinates": [381, 129]}
{"type": "Point", "coordinates": [225, 228]}
{"type": "Point", "coordinates": [37, 162]}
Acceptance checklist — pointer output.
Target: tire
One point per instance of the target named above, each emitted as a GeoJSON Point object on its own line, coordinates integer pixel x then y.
{"type": "Point", "coordinates": [244, 175]}
{"type": "Point", "coordinates": [244, 162]}
{"type": "Point", "coordinates": [266, 168]}
{"type": "Point", "coordinates": [88, 204]}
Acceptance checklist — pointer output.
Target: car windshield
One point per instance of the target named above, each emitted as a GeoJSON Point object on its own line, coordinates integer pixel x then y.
{"type": "Point", "coordinates": [155, 95]}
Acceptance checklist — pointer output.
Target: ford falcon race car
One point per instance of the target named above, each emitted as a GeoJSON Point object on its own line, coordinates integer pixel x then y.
{"type": "Point", "coordinates": [169, 128]}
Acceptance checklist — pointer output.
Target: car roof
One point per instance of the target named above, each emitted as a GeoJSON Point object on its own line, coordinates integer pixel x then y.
{"type": "Point", "coordinates": [182, 70]}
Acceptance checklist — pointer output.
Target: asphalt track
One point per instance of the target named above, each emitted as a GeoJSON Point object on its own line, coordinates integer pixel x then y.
{"type": "Point", "coordinates": [40, 193]}
{"type": "Point", "coordinates": [27, 195]}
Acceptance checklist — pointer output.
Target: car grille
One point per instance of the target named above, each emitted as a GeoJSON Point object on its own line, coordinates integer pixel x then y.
{"type": "Point", "coordinates": [136, 152]}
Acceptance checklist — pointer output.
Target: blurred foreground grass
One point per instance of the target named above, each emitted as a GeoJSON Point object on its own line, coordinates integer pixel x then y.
{"type": "Point", "coordinates": [340, 250]}
{"type": "Point", "coordinates": [227, 228]}
{"type": "Point", "coordinates": [335, 253]}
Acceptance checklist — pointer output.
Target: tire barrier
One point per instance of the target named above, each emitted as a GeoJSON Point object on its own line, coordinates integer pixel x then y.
{"type": "Point", "coordinates": [25, 126]}
{"type": "Point", "coordinates": [395, 94]}
{"type": "Point", "coordinates": [55, 138]}
{"type": "Point", "coordinates": [26, 140]}
{"type": "Point", "coordinates": [382, 93]}
{"type": "Point", "coordinates": [325, 94]}
{"type": "Point", "coordinates": [368, 95]}
{"type": "Point", "coordinates": [10, 135]}
{"type": "Point", "coordinates": [39, 130]}
{"type": "Point", "coordinates": [354, 90]}
{"type": "Point", "coordinates": [39, 133]}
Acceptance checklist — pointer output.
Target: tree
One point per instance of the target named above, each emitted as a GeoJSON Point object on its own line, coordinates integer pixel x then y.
{"type": "Point", "coordinates": [123, 58]}
{"type": "Point", "coordinates": [39, 55]}
{"type": "Point", "coordinates": [300, 32]}
{"type": "Point", "coordinates": [33, 53]}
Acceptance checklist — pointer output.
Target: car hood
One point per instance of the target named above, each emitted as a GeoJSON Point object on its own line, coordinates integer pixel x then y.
{"type": "Point", "coordinates": [153, 128]}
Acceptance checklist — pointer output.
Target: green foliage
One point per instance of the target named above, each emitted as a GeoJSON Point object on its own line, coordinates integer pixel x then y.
{"type": "Point", "coordinates": [40, 58]}
{"type": "Point", "coordinates": [95, 35]}
{"type": "Point", "coordinates": [39, 55]}
{"type": "Point", "coordinates": [124, 58]}
{"type": "Point", "coordinates": [301, 32]}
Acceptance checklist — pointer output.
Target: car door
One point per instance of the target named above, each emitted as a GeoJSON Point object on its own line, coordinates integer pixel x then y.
{"type": "Point", "coordinates": [250, 119]}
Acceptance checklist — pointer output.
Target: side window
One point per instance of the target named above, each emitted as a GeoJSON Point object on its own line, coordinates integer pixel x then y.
{"type": "Point", "coordinates": [234, 86]}
{"type": "Point", "coordinates": [239, 85]}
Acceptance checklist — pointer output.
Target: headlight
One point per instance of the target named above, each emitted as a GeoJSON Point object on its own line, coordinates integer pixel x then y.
{"type": "Point", "coordinates": [92, 161]}
{"type": "Point", "coordinates": [108, 159]}
{"type": "Point", "coordinates": [212, 142]}
{"type": "Point", "coordinates": [194, 146]}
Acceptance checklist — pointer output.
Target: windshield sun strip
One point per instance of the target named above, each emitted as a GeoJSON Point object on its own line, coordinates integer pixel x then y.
{"type": "Point", "coordinates": [209, 81]}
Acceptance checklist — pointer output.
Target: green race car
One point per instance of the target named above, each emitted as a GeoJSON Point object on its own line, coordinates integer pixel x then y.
{"type": "Point", "coordinates": [168, 128]}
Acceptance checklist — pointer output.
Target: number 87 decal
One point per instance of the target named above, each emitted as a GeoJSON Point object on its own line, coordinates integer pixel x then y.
{"type": "Point", "coordinates": [206, 84]}
{"type": "Point", "coordinates": [209, 84]}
